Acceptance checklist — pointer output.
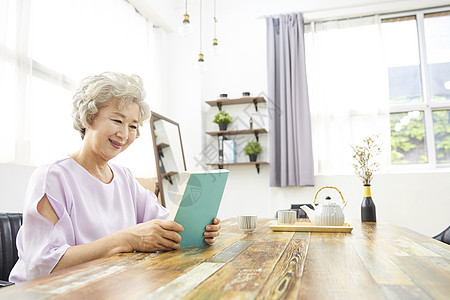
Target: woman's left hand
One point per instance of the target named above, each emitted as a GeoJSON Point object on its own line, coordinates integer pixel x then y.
{"type": "Point", "coordinates": [212, 231]}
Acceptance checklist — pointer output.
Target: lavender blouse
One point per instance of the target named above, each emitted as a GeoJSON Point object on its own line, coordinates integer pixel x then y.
{"type": "Point", "coordinates": [88, 209]}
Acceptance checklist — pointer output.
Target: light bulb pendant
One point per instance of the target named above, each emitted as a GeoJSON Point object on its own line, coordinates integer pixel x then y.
{"type": "Point", "coordinates": [201, 64]}
{"type": "Point", "coordinates": [186, 28]}
{"type": "Point", "coordinates": [215, 48]}
{"type": "Point", "coordinates": [186, 19]}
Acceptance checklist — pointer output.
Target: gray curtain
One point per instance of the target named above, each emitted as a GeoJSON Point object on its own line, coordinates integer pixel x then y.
{"type": "Point", "coordinates": [291, 159]}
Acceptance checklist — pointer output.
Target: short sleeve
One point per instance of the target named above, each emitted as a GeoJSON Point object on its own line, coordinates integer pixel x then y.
{"type": "Point", "coordinates": [148, 207]}
{"type": "Point", "coordinates": [40, 245]}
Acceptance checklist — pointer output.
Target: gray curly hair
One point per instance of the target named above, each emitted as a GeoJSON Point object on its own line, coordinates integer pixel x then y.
{"type": "Point", "coordinates": [98, 91]}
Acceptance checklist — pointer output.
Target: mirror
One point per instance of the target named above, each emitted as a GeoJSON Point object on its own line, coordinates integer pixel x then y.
{"type": "Point", "coordinates": [169, 154]}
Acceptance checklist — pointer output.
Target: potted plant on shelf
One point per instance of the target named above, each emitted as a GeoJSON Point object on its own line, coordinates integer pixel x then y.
{"type": "Point", "coordinates": [223, 119]}
{"type": "Point", "coordinates": [252, 149]}
{"type": "Point", "coordinates": [365, 165]}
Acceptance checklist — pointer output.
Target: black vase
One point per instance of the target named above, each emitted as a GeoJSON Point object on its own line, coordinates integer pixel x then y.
{"type": "Point", "coordinates": [253, 157]}
{"type": "Point", "coordinates": [368, 210]}
{"type": "Point", "coordinates": [223, 126]}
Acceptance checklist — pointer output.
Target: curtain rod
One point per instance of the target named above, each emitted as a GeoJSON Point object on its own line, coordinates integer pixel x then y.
{"type": "Point", "coordinates": [341, 19]}
{"type": "Point", "coordinates": [308, 16]}
{"type": "Point", "coordinates": [322, 20]}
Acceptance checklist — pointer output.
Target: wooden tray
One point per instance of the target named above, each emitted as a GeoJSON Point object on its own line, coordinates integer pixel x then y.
{"type": "Point", "coordinates": [307, 226]}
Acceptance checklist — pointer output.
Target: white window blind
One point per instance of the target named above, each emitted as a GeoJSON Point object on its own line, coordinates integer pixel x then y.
{"type": "Point", "coordinates": [385, 75]}
{"type": "Point", "coordinates": [348, 90]}
{"type": "Point", "coordinates": [46, 48]}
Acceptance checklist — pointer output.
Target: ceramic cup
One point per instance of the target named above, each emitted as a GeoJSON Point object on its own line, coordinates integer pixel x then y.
{"type": "Point", "coordinates": [247, 223]}
{"type": "Point", "coordinates": [287, 217]}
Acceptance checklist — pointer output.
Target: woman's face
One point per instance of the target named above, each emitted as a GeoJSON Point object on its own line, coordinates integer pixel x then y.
{"type": "Point", "coordinates": [113, 130]}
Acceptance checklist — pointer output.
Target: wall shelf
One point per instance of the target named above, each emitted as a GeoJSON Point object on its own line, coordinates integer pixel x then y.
{"type": "Point", "coordinates": [221, 134]}
{"type": "Point", "coordinates": [236, 132]}
{"type": "Point", "coordinates": [168, 176]}
{"type": "Point", "coordinates": [256, 163]}
{"type": "Point", "coordinates": [243, 100]}
{"type": "Point", "coordinates": [162, 145]}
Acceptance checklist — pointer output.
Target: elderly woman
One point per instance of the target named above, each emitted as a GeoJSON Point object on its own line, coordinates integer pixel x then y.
{"type": "Point", "coordinates": [84, 207]}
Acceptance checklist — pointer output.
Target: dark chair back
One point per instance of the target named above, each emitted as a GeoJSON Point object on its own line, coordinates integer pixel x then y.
{"type": "Point", "coordinates": [296, 207]}
{"type": "Point", "coordinates": [444, 236]}
{"type": "Point", "coordinates": [9, 226]}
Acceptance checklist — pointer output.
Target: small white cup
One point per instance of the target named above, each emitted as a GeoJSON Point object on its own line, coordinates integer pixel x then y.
{"type": "Point", "coordinates": [287, 217]}
{"type": "Point", "coordinates": [247, 223]}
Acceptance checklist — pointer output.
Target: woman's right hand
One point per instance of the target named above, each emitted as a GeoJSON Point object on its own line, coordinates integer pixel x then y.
{"type": "Point", "coordinates": [151, 236]}
{"type": "Point", "coordinates": [154, 235]}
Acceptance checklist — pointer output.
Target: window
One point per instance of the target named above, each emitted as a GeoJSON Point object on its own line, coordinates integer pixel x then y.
{"type": "Point", "coordinates": [348, 88]}
{"type": "Point", "coordinates": [387, 75]}
{"type": "Point", "coordinates": [46, 48]}
{"type": "Point", "coordinates": [417, 50]}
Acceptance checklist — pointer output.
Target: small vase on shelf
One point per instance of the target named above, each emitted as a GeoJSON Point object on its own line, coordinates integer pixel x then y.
{"type": "Point", "coordinates": [368, 210]}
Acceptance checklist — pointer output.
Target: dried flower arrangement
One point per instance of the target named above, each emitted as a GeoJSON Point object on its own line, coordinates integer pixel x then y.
{"type": "Point", "coordinates": [364, 156]}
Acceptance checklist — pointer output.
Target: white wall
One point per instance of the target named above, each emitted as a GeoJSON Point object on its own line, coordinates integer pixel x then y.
{"type": "Point", "coordinates": [417, 201]}
{"type": "Point", "coordinates": [13, 185]}
{"type": "Point", "coordinates": [420, 201]}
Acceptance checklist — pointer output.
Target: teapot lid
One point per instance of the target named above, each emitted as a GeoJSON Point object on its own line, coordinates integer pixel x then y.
{"type": "Point", "coordinates": [329, 202]}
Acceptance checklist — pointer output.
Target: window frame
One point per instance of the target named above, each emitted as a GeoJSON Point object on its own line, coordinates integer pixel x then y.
{"type": "Point", "coordinates": [427, 106]}
{"type": "Point", "coordinates": [16, 49]}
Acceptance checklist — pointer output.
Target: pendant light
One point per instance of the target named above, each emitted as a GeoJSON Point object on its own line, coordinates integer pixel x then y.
{"type": "Point", "coordinates": [201, 60]}
{"type": "Point", "coordinates": [215, 44]}
{"type": "Point", "coordinates": [186, 28]}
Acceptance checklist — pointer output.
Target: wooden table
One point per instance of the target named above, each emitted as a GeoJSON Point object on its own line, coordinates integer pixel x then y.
{"type": "Point", "coordinates": [375, 261]}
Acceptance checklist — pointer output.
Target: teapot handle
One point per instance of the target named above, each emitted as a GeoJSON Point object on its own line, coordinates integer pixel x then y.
{"type": "Point", "coordinates": [330, 187]}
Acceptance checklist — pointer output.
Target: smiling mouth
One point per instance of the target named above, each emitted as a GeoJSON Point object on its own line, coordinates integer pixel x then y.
{"type": "Point", "coordinates": [115, 144]}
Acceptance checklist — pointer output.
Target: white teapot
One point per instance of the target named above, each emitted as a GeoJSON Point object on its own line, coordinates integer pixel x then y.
{"type": "Point", "coordinates": [327, 214]}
